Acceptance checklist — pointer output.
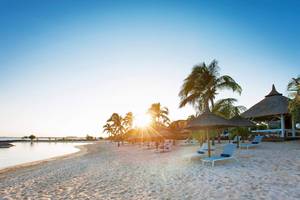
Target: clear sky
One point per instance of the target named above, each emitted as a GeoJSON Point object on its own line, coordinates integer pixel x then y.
{"type": "Point", "coordinates": [65, 66]}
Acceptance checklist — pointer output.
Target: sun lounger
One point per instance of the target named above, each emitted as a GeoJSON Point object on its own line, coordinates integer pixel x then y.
{"type": "Point", "coordinates": [236, 139]}
{"type": "Point", "coordinates": [165, 146]}
{"type": "Point", "coordinates": [203, 149]}
{"type": "Point", "coordinates": [255, 142]}
{"type": "Point", "coordinates": [190, 141]}
{"type": "Point", "coordinates": [227, 154]}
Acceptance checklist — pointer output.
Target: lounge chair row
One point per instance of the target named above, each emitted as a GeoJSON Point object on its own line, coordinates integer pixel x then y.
{"type": "Point", "coordinates": [228, 151]}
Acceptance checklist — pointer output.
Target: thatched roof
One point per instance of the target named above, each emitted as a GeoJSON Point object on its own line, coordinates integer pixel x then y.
{"type": "Point", "coordinates": [241, 122]}
{"type": "Point", "coordinates": [208, 120]}
{"type": "Point", "coordinates": [273, 104]}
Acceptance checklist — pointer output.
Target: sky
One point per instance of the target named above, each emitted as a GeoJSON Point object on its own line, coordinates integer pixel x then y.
{"type": "Point", "coordinates": [67, 65]}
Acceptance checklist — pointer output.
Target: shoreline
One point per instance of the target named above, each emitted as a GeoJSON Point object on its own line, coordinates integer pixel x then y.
{"type": "Point", "coordinates": [83, 149]}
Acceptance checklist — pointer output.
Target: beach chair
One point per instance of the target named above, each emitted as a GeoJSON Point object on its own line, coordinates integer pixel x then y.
{"type": "Point", "coordinates": [165, 146]}
{"type": "Point", "coordinates": [204, 148]}
{"type": "Point", "coordinates": [236, 139]}
{"type": "Point", "coordinates": [227, 154]}
{"type": "Point", "coordinates": [255, 142]}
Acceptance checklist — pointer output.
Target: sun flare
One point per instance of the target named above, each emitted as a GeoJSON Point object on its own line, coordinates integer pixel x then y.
{"type": "Point", "coordinates": [142, 121]}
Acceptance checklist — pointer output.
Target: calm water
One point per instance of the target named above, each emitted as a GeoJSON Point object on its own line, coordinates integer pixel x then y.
{"type": "Point", "coordinates": [24, 152]}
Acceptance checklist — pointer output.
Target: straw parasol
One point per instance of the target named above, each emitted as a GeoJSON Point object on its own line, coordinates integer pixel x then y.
{"type": "Point", "coordinates": [207, 121]}
{"type": "Point", "coordinates": [165, 133]}
{"type": "Point", "coordinates": [241, 122]}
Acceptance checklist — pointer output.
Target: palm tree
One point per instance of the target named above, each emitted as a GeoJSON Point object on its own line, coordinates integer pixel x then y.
{"type": "Point", "coordinates": [226, 108]}
{"type": "Point", "coordinates": [127, 124]}
{"type": "Point", "coordinates": [202, 85]}
{"type": "Point", "coordinates": [128, 121]}
{"type": "Point", "coordinates": [116, 122]}
{"type": "Point", "coordinates": [108, 128]}
{"type": "Point", "coordinates": [294, 104]}
{"type": "Point", "coordinates": [159, 115]}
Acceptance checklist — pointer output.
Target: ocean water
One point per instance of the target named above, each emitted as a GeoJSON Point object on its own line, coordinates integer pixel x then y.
{"type": "Point", "coordinates": [24, 152]}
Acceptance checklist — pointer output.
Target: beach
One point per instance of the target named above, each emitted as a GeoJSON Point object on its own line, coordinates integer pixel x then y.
{"type": "Point", "coordinates": [104, 171]}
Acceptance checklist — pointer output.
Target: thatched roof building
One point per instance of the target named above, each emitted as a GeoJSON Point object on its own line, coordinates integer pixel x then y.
{"type": "Point", "coordinates": [274, 107]}
{"type": "Point", "coordinates": [273, 104]}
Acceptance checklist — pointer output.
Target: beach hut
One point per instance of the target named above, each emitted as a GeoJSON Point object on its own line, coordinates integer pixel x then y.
{"type": "Point", "coordinates": [273, 109]}
{"type": "Point", "coordinates": [208, 121]}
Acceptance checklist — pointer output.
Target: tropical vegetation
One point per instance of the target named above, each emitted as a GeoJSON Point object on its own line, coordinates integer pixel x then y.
{"type": "Point", "coordinates": [118, 127]}
{"type": "Point", "coordinates": [31, 137]}
{"type": "Point", "coordinates": [200, 89]}
{"type": "Point", "coordinates": [159, 115]}
{"type": "Point", "coordinates": [294, 93]}
{"type": "Point", "coordinates": [201, 86]}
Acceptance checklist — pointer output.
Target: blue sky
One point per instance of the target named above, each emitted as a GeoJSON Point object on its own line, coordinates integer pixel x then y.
{"type": "Point", "coordinates": [65, 66]}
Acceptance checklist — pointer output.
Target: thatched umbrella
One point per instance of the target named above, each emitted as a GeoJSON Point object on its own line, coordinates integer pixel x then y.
{"type": "Point", "coordinates": [207, 121]}
{"type": "Point", "coordinates": [241, 122]}
{"type": "Point", "coordinates": [166, 133]}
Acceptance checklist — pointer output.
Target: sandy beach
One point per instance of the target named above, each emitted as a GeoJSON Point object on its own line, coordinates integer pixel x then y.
{"type": "Point", "coordinates": [103, 171]}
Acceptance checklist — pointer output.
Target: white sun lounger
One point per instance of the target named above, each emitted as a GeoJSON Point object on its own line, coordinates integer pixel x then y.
{"type": "Point", "coordinates": [227, 154]}
{"type": "Point", "coordinates": [255, 142]}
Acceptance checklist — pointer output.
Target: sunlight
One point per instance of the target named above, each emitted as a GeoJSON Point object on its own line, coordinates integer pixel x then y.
{"type": "Point", "coordinates": [142, 120]}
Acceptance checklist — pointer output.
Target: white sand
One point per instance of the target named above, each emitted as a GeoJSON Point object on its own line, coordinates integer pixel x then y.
{"type": "Point", "coordinates": [270, 171]}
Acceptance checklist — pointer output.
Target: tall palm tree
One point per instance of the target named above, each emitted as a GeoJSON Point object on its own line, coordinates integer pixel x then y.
{"type": "Point", "coordinates": [226, 108]}
{"type": "Point", "coordinates": [108, 128]}
{"type": "Point", "coordinates": [116, 122]}
{"type": "Point", "coordinates": [159, 115]}
{"type": "Point", "coordinates": [203, 84]}
{"type": "Point", "coordinates": [294, 104]}
{"type": "Point", "coordinates": [294, 88]}
{"type": "Point", "coordinates": [128, 121]}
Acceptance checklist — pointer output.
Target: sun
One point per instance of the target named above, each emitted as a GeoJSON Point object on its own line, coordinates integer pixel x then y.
{"type": "Point", "coordinates": [142, 121]}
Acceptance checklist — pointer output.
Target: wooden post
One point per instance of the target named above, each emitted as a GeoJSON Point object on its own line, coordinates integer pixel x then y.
{"type": "Point", "coordinates": [208, 142]}
{"type": "Point", "coordinates": [282, 125]}
{"type": "Point", "coordinates": [293, 128]}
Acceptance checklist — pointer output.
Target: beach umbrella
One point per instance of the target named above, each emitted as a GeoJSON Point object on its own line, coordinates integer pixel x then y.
{"type": "Point", "coordinates": [208, 121]}
{"type": "Point", "coordinates": [239, 121]}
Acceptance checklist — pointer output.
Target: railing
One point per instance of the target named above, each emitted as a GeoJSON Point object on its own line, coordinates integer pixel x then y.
{"type": "Point", "coordinates": [288, 132]}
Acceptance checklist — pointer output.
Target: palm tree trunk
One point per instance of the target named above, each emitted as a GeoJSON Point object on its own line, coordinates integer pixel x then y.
{"type": "Point", "coordinates": [212, 103]}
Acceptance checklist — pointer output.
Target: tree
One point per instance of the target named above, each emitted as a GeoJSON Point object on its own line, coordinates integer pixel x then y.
{"type": "Point", "coordinates": [128, 121]}
{"type": "Point", "coordinates": [32, 137]}
{"type": "Point", "coordinates": [226, 108]}
{"type": "Point", "coordinates": [159, 115]}
{"type": "Point", "coordinates": [202, 85]}
{"type": "Point", "coordinates": [89, 138]}
{"type": "Point", "coordinates": [127, 124]}
{"type": "Point", "coordinates": [294, 93]}
{"type": "Point", "coordinates": [108, 128]}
